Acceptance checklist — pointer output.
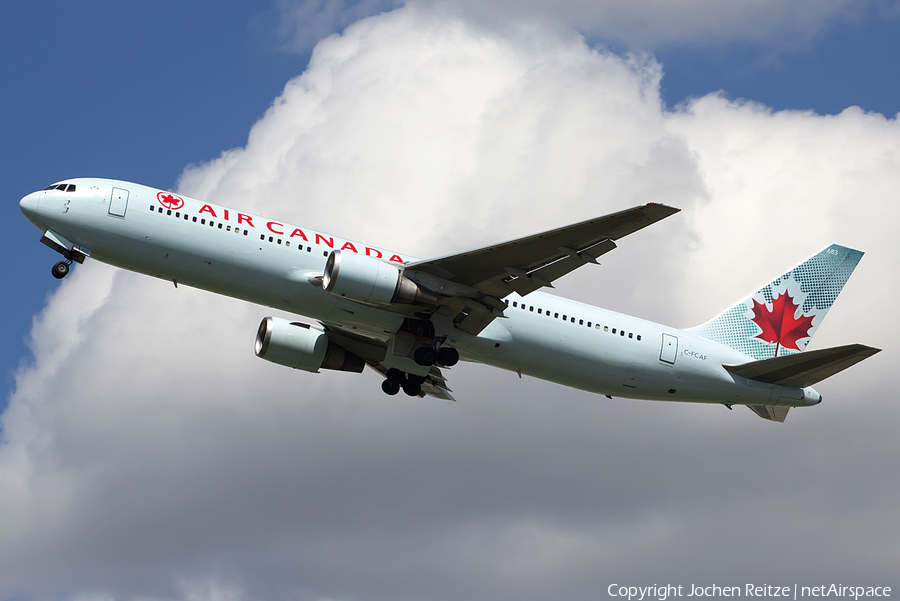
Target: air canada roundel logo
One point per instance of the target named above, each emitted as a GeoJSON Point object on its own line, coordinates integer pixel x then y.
{"type": "Point", "coordinates": [170, 201]}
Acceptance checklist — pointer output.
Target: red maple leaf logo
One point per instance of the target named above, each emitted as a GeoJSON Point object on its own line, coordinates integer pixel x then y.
{"type": "Point", "coordinates": [779, 326]}
{"type": "Point", "coordinates": [170, 201]}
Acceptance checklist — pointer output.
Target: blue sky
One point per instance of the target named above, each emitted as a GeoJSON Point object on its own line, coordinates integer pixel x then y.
{"type": "Point", "coordinates": [138, 91]}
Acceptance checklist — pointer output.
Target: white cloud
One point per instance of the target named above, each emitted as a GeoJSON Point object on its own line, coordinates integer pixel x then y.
{"type": "Point", "coordinates": [648, 24]}
{"type": "Point", "coordinates": [636, 24]}
{"type": "Point", "coordinates": [148, 448]}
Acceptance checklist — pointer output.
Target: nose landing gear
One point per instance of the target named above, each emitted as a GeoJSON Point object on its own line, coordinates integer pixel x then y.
{"type": "Point", "coordinates": [61, 269]}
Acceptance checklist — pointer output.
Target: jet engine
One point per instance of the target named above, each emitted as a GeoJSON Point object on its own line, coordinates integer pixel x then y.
{"type": "Point", "coordinates": [302, 346]}
{"type": "Point", "coordinates": [371, 281]}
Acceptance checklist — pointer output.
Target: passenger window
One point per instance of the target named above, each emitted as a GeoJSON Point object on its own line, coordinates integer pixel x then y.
{"type": "Point", "coordinates": [228, 228]}
{"type": "Point", "coordinates": [564, 318]}
{"type": "Point", "coordinates": [160, 209]}
{"type": "Point", "coordinates": [152, 208]}
{"type": "Point", "coordinates": [605, 328]}
{"type": "Point", "coordinates": [539, 311]}
{"type": "Point", "coordinates": [531, 308]}
{"type": "Point", "coordinates": [168, 211]}
{"type": "Point", "coordinates": [177, 215]}
{"type": "Point", "coordinates": [288, 243]}
{"type": "Point", "coordinates": [220, 226]}
{"type": "Point", "coordinates": [270, 238]}
{"type": "Point", "coordinates": [572, 320]}
{"type": "Point", "coordinates": [621, 332]}
{"type": "Point", "coordinates": [195, 220]}
{"type": "Point", "coordinates": [581, 322]}
{"type": "Point", "coordinates": [630, 335]}
{"type": "Point", "coordinates": [262, 237]}
{"type": "Point", "coordinates": [589, 324]}
{"type": "Point", "coordinates": [203, 222]}
{"type": "Point", "coordinates": [639, 337]}
{"type": "Point", "coordinates": [279, 241]}
{"type": "Point", "coordinates": [614, 330]}
{"type": "Point", "coordinates": [515, 304]}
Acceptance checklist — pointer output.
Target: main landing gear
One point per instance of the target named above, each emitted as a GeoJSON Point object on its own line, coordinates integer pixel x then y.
{"type": "Point", "coordinates": [61, 269]}
{"type": "Point", "coordinates": [396, 379]}
{"type": "Point", "coordinates": [411, 384]}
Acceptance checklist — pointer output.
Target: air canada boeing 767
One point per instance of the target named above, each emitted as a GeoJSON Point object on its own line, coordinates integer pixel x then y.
{"type": "Point", "coordinates": [411, 319]}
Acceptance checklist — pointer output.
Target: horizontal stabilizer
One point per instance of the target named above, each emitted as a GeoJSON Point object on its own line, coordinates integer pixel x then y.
{"type": "Point", "coordinates": [803, 369]}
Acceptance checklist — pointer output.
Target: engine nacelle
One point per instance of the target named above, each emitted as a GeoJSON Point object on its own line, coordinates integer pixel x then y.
{"type": "Point", "coordinates": [302, 346]}
{"type": "Point", "coordinates": [371, 281]}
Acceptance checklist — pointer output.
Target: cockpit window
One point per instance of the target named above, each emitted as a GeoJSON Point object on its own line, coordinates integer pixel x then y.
{"type": "Point", "coordinates": [70, 188]}
{"type": "Point", "coordinates": [62, 187]}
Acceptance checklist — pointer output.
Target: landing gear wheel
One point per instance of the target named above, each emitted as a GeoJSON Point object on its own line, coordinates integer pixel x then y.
{"type": "Point", "coordinates": [425, 356]}
{"type": "Point", "coordinates": [390, 386]}
{"type": "Point", "coordinates": [448, 356]}
{"type": "Point", "coordinates": [395, 375]}
{"type": "Point", "coordinates": [60, 270]}
{"type": "Point", "coordinates": [412, 388]}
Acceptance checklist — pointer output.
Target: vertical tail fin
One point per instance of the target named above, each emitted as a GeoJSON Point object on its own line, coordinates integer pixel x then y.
{"type": "Point", "coordinates": [781, 317]}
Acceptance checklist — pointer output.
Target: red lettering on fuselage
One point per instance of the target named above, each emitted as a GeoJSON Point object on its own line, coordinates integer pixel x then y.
{"type": "Point", "coordinates": [273, 226]}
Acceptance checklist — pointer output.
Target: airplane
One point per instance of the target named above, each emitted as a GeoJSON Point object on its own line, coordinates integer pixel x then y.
{"type": "Point", "coordinates": [411, 319]}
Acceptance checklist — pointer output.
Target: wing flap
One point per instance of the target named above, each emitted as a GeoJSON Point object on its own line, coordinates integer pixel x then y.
{"type": "Point", "coordinates": [525, 283]}
{"type": "Point", "coordinates": [803, 369]}
{"type": "Point", "coordinates": [775, 413]}
{"type": "Point", "coordinates": [485, 267]}
{"type": "Point", "coordinates": [487, 275]}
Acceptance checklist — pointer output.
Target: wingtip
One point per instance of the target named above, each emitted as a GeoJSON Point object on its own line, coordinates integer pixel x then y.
{"type": "Point", "coordinates": [672, 210]}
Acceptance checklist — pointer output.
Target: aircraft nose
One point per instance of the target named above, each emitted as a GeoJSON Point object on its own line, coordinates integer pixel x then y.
{"type": "Point", "coordinates": [30, 204]}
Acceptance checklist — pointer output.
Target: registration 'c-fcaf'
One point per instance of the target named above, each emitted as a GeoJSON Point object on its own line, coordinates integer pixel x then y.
{"type": "Point", "coordinates": [411, 319]}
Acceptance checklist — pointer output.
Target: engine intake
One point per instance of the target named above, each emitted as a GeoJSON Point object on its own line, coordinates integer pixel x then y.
{"type": "Point", "coordinates": [302, 346]}
{"type": "Point", "coordinates": [371, 281]}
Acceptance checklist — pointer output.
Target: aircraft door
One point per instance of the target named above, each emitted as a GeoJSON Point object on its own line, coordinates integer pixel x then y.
{"type": "Point", "coordinates": [118, 202]}
{"type": "Point", "coordinates": [669, 349]}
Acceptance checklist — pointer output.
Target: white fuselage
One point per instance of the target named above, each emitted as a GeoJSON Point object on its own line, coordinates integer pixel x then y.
{"type": "Point", "coordinates": [273, 263]}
